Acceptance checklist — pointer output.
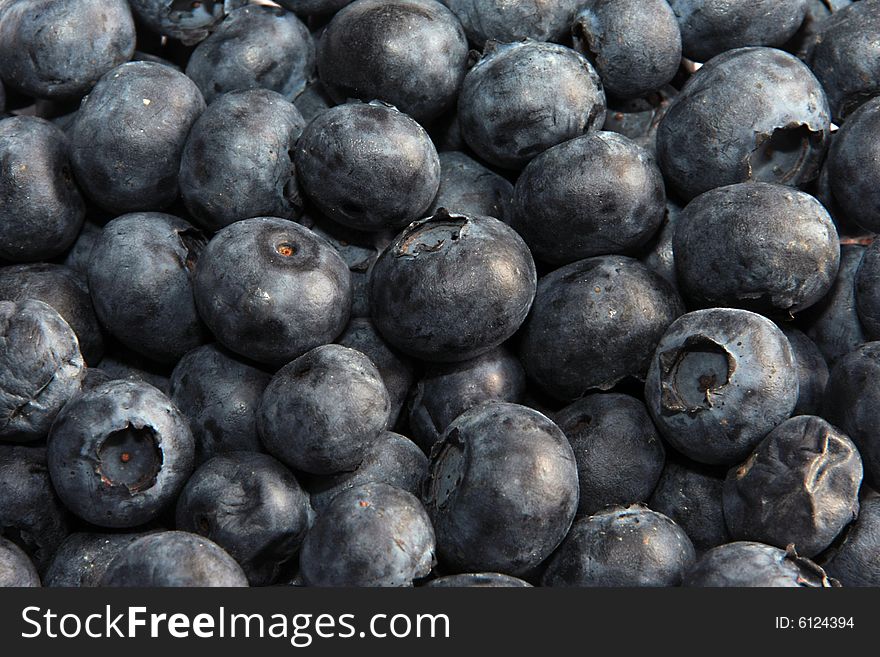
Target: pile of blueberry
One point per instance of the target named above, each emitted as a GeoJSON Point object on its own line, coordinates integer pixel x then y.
{"type": "Point", "coordinates": [471, 293]}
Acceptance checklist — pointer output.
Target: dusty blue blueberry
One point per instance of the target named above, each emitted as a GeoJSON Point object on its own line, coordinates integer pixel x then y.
{"type": "Point", "coordinates": [513, 20]}
{"type": "Point", "coordinates": [59, 48]}
{"type": "Point", "coordinates": [314, 7]}
{"type": "Point", "coordinates": [41, 368]}
{"type": "Point", "coordinates": [251, 506]}
{"type": "Point", "coordinates": [372, 535]}
{"type": "Point", "coordinates": [635, 45]}
{"type": "Point", "coordinates": [82, 559]}
{"type": "Point", "coordinates": [119, 454]}
{"type": "Point", "coordinates": [522, 98]}
{"type": "Point", "coordinates": [467, 187]}
{"type": "Point", "coordinates": [238, 160]}
{"type": "Point", "coordinates": [319, 412]}
{"type": "Point", "coordinates": [856, 560]}
{"type": "Point", "coordinates": [452, 287]}
{"type": "Point", "coordinates": [80, 252]}
{"type": "Point", "coordinates": [752, 114]}
{"type": "Point", "coordinates": [16, 568]}
{"type": "Point", "coordinates": [349, 157]}
{"type": "Point", "coordinates": [254, 48]}
{"type": "Point", "coordinates": [660, 257]}
{"type": "Point", "coordinates": [478, 580]}
{"type": "Point", "coordinates": [313, 100]}
{"type": "Point", "coordinates": [621, 546]}
{"type": "Point", "coordinates": [502, 489]}
{"type": "Point", "coordinates": [867, 291]}
{"type": "Point", "coordinates": [593, 195]}
{"type": "Point", "coordinates": [42, 210]}
{"type": "Point", "coordinates": [749, 564]}
{"type": "Point", "coordinates": [639, 118]}
{"type": "Point", "coordinates": [410, 53]}
{"type": "Point", "coordinates": [129, 133]}
{"type": "Point", "coordinates": [720, 380]}
{"type": "Point", "coordinates": [184, 20]}
{"type": "Point", "coordinates": [122, 363]}
{"type": "Point", "coordinates": [594, 323]}
{"type": "Point", "coordinates": [270, 289]}
{"type": "Point", "coordinates": [812, 371]}
{"type": "Point", "coordinates": [219, 394]}
{"type": "Point", "coordinates": [173, 559]}
{"type": "Point", "coordinates": [804, 41]}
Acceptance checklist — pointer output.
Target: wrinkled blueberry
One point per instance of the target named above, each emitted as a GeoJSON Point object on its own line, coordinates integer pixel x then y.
{"type": "Point", "coordinates": [749, 564]}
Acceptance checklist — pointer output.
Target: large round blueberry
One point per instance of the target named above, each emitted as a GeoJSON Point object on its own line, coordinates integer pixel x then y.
{"type": "Point", "coordinates": [635, 45]}
{"type": "Point", "coordinates": [219, 394]}
{"type": "Point", "coordinates": [800, 486]}
{"type": "Point", "coordinates": [759, 246]}
{"type": "Point", "coordinates": [319, 413]}
{"type": "Point", "coordinates": [812, 371]}
{"type": "Point", "coordinates": [452, 287]}
{"type": "Point", "coordinates": [856, 561]}
{"type": "Point", "coordinates": [41, 368]}
{"type": "Point", "coordinates": [140, 280]}
{"type": "Point", "coordinates": [251, 506]}
{"type": "Point", "coordinates": [187, 21]}
{"type": "Point", "coordinates": [867, 291]}
{"type": "Point", "coordinates": [119, 454]}
{"type": "Point", "coordinates": [502, 489]}
{"type": "Point", "coordinates": [622, 546]}
{"type": "Point", "coordinates": [82, 559]}
{"type": "Point", "coordinates": [42, 210]}
{"type": "Point", "coordinates": [752, 114]}
{"type": "Point", "coordinates": [749, 564]}
{"type": "Point", "coordinates": [59, 48]}
{"type": "Point", "coordinates": [522, 98]}
{"type": "Point", "coordinates": [368, 166]}
{"type": "Point", "coordinates": [409, 53]}
{"type": "Point", "coordinates": [16, 568]}
{"type": "Point", "coordinates": [720, 380]}
{"type": "Point", "coordinates": [593, 195]}
{"type": "Point", "coordinates": [514, 20]}
{"type": "Point", "coordinates": [173, 559]}
{"type": "Point", "coordinates": [446, 390]}
{"type": "Point", "coordinates": [129, 133]}
{"type": "Point", "coordinates": [618, 452]}
{"type": "Point", "coordinates": [372, 535]}
{"type": "Point", "coordinates": [238, 160]}
{"type": "Point", "coordinates": [270, 289]}
{"type": "Point", "coordinates": [467, 187]}
{"type": "Point", "coordinates": [594, 323]}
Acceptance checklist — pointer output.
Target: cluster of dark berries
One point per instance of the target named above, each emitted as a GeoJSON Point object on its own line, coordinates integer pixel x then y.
{"type": "Point", "coordinates": [471, 293]}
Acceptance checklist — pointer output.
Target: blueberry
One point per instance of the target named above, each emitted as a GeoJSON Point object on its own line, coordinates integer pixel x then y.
{"type": "Point", "coordinates": [799, 487]}
{"type": "Point", "coordinates": [82, 559]}
{"type": "Point", "coordinates": [752, 114]}
{"type": "Point", "coordinates": [31, 515]}
{"type": "Point", "coordinates": [478, 580]}
{"type": "Point", "coordinates": [853, 165]}
{"type": "Point", "coordinates": [173, 559]}
{"type": "Point", "coordinates": [42, 209]}
{"type": "Point", "coordinates": [140, 279]}
{"type": "Point", "coordinates": [129, 133]}
{"type": "Point", "coordinates": [188, 21]}
{"type": "Point", "coordinates": [238, 160]}
{"type": "Point", "coordinates": [446, 390]}
{"type": "Point", "coordinates": [812, 371]}
{"type": "Point", "coordinates": [852, 402]}
{"type": "Point", "coordinates": [59, 48]}
{"type": "Point", "coordinates": [375, 50]}
{"type": "Point", "coordinates": [350, 156]}
{"type": "Point", "coordinates": [122, 363]}
{"type": "Point", "coordinates": [502, 489]}
{"type": "Point", "coordinates": [314, 7]}
{"type": "Point", "coordinates": [270, 289]}
{"type": "Point", "coordinates": [219, 394]}
{"type": "Point", "coordinates": [618, 452]}
{"type": "Point", "coordinates": [319, 412]}
{"type": "Point", "coordinates": [856, 561]}
{"type": "Point", "coordinates": [660, 257]}
{"type": "Point", "coordinates": [313, 100]}
{"type": "Point", "coordinates": [452, 287]}
{"type": "Point", "coordinates": [396, 369]}
{"type": "Point", "coordinates": [467, 187]}
{"type": "Point", "coordinates": [639, 118]}
{"type": "Point", "coordinates": [503, 20]}
{"type": "Point", "coordinates": [720, 380]}
{"type": "Point", "coordinates": [749, 564]}
{"type": "Point", "coordinates": [119, 454]}
{"type": "Point", "coordinates": [805, 39]}
{"type": "Point", "coordinates": [522, 98]}
{"type": "Point", "coordinates": [635, 45]}
{"type": "Point", "coordinates": [41, 368]}
{"type": "Point", "coordinates": [846, 57]}
{"type": "Point", "coordinates": [66, 291]}
{"type": "Point", "coordinates": [622, 546]}
{"type": "Point", "coordinates": [867, 291]}
{"type": "Point", "coordinates": [711, 27]}
{"type": "Point", "coordinates": [254, 48]}
{"type": "Point", "coordinates": [594, 323]}
{"type": "Point", "coordinates": [773, 249]}
{"type": "Point", "coordinates": [388, 459]}
{"type": "Point", "coordinates": [251, 506]}
{"type": "Point", "coordinates": [372, 535]}
{"type": "Point", "coordinates": [690, 494]}
{"type": "Point", "coordinates": [16, 569]}
{"type": "Point", "coordinates": [593, 195]}
{"type": "Point", "coordinates": [80, 252]}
